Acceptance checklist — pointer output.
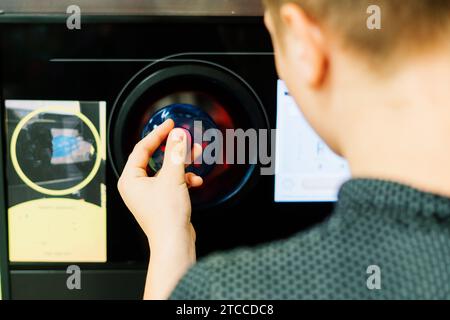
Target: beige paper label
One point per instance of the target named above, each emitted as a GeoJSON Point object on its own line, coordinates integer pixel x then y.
{"type": "Point", "coordinates": [57, 230]}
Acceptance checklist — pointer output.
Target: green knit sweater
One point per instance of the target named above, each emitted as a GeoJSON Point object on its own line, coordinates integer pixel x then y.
{"type": "Point", "coordinates": [403, 233]}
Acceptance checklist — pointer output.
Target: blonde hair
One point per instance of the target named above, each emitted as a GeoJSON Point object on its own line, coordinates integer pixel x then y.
{"type": "Point", "coordinates": [406, 24]}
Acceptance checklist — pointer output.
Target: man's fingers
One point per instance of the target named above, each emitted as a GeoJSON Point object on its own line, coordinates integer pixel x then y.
{"type": "Point", "coordinates": [138, 159]}
{"type": "Point", "coordinates": [175, 156]}
{"type": "Point", "coordinates": [196, 152]}
{"type": "Point", "coordinates": [193, 181]}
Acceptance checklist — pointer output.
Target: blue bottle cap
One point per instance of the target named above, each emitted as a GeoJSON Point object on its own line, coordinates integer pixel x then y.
{"type": "Point", "coordinates": [189, 118]}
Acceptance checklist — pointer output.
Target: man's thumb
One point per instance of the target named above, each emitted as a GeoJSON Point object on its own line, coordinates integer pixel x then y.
{"type": "Point", "coordinates": [175, 156]}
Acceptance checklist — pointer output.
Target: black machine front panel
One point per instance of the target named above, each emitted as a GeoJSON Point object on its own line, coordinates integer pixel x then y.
{"type": "Point", "coordinates": [43, 60]}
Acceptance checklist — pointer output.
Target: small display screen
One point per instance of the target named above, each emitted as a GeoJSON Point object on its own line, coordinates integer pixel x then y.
{"type": "Point", "coordinates": [306, 169]}
{"type": "Point", "coordinates": [56, 180]}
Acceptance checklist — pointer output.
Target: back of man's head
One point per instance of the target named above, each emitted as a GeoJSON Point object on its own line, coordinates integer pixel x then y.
{"type": "Point", "coordinates": [405, 24]}
{"type": "Point", "coordinates": [377, 93]}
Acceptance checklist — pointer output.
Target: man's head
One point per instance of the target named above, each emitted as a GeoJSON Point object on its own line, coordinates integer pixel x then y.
{"type": "Point", "coordinates": [324, 49]}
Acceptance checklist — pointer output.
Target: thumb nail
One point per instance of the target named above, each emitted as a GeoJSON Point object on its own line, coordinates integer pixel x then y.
{"type": "Point", "coordinates": [177, 135]}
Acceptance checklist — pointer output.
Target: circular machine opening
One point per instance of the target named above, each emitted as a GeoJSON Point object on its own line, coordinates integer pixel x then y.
{"type": "Point", "coordinates": [227, 99]}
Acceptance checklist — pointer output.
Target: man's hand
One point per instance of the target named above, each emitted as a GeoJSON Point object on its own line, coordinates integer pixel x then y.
{"type": "Point", "coordinates": [162, 206]}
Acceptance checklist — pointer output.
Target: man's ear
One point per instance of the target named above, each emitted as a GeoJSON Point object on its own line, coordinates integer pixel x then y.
{"type": "Point", "coordinates": [268, 21]}
{"type": "Point", "coordinates": [306, 42]}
